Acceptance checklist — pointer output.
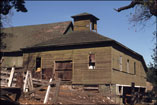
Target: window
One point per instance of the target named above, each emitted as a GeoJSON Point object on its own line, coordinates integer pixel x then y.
{"type": "Point", "coordinates": [120, 63]}
{"type": "Point", "coordinates": [127, 65]}
{"type": "Point", "coordinates": [134, 67]}
{"type": "Point", "coordinates": [90, 26]}
{"type": "Point", "coordinates": [92, 61]}
{"type": "Point", "coordinates": [38, 63]}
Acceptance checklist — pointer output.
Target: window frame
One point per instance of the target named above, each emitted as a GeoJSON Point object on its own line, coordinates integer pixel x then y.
{"type": "Point", "coordinates": [90, 63]}
{"type": "Point", "coordinates": [36, 67]}
{"type": "Point", "coordinates": [128, 66]}
{"type": "Point", "coordinates": [121, 63]}
{"type": "Point", "coordinates": [135, 67]}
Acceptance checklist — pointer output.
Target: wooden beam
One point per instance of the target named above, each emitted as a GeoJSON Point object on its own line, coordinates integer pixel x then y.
{"type": "Point", "coordinates": [30, 82]}
{"type": "Point", "coordinates": [54, 70]}
{"type": "Point", "coordinates": [11, 76]}
{"type": "Point", "coordinates": [56, 94]}
{"type": "Point", "coordinates": [47, 92]}
{"type": "Point", "coordinates": [25, 82]}
{"type": "Point", "coordinates": [36, 89]}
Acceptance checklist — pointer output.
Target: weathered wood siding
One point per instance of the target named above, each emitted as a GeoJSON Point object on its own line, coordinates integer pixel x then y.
{"type": "Point", "coordinates": [102, 72]}
{"type": "Point", "coordinates": [124, 77]}
{"type": "Point", "coordinates": [80, 58]}
{"type": "Point", "coordinates": [12, 61]}
{"type": "Point", "coordinates": [82, 25]}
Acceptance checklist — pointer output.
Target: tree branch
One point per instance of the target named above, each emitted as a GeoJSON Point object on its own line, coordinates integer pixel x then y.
{"type": "Point", "coordinates": [131, 5]}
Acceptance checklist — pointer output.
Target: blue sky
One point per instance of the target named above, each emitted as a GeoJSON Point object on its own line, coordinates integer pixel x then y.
{"type": "Point", "coordinates": [111, 24]}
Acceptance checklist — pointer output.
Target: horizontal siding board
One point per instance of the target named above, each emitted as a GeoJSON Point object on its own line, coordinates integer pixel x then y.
{"type": "Point", "coordinates": [80, 60]}
{"type": "Point", "coordinates": [119, 76]}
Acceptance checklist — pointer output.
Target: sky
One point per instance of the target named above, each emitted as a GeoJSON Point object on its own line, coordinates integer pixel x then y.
{"type": "Point", "coordinates": [111, 24]}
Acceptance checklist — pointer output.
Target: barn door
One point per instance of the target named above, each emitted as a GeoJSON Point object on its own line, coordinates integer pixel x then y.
{"type": "Point", "coordinates": [63, 70]}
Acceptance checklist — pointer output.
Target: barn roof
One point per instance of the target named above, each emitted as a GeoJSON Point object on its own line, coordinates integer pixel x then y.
{"type": "Point", "coordinates": [74, 38]}
{"type": "Point", "coordinates": [24, 36]}
{"type": "Point", "coordinates": [83, 38]}
{"type": "Point", "coordinates": [85, 14]}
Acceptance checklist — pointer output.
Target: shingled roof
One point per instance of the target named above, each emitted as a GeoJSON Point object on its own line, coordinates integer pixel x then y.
{"type": "Point", "coordinates": [75, 38]}
{"type": "Point", "coordinates": [25, 36]}
{"type": "Point", "coordinates": [82, 38]}
{"type": "Point", "coordinates": [84, 14]}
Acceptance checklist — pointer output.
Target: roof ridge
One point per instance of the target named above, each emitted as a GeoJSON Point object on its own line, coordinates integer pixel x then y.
{"type": "Point", "coordinates": [83, 37]}
{"type": "Point", "coordinates": [36, 25]}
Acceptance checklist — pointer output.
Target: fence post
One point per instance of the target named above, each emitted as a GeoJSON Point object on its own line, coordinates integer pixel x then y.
{"type": "Point", "coordinates": [28, 83]}
{"type": "Point", "coordinates": [47, 92]}
{"type": "Point", "coordinates": [11, 76]}
{"type": "Point", "coordinates": [56, 94]}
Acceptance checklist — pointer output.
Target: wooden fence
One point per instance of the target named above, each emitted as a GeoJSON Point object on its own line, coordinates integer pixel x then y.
{"type": "Point", "coordinates": [17, 78]}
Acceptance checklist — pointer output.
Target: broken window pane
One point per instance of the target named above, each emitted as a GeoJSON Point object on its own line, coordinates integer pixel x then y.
{"type": "Point", "coordinates": [134, 67]}
{"type": "Point", "coordinates": [128, 65]}
{"type": "Point", "coordinates": [92, 61]}
{"type": "Point", "coordinates": [38, 63]}
{"type": "Point", "coordinates": [120, 63]}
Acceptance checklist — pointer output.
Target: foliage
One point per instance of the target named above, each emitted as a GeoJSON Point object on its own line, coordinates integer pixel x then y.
{"type": "Point", "coordinates": [152, 71]}
{"type": "Point", "coordinates": [152, 76]}
{"type": "Point", "coordinates": [6, 5]}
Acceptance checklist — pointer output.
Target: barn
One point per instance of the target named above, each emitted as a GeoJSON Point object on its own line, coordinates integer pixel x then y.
{"type": "Point", "coordinates": [83, 57]}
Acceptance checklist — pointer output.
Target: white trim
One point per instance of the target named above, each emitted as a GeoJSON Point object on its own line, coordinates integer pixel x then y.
{"type": "Point", "coordinates": [129, 85]}
{"type": "Point", "coordinates": [47, 92]}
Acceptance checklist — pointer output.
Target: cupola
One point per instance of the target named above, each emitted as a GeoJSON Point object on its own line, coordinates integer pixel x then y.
{"type": "Point", "coordinates": [85, 21]}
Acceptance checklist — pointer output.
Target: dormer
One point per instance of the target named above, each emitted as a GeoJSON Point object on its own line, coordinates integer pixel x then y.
{"type": "Point", "coordinates": [85, 21]}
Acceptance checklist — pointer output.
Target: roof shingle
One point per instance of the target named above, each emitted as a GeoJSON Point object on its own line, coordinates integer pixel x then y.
{"type": "Point", "coordinates": [25, 36]}
{"type": "Point", "coordinates": [74, 38]}
{"type": "Point", "coordinates": [85, 14]}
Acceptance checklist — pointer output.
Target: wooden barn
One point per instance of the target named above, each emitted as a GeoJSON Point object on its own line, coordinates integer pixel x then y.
{"type": "Point", "coordinates": [15, 38]}
{"type": "Point", "coordinates": [83, 57]}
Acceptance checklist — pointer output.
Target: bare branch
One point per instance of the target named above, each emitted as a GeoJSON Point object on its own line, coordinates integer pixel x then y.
{"type": "Point", "coordinates": [131, 5]}
{"type": "Point", "coordinates": [150, 4]}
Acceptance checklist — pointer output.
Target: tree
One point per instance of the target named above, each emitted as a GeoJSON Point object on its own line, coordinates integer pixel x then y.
{"type": "Point", "coordinates": [152, 71]}
{"type": "Point", "coordinates": [145, 9]}
{"type": "Point", "coordinates": [6, 6]}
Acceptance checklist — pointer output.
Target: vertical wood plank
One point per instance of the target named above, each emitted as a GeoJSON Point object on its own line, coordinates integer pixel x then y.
{"type": "Point", "coordinates": [54, 70]}
{"type": "Point", "coordinates": [25, 82]}
{"type": "Point", "coordinates": [56, 94]}
{"type": "Point", "coordinates": [31, 81]}
{"type": "Point", "coordinates": [47, 92]}
{"type": "Point", "coordinates": [11, 76]}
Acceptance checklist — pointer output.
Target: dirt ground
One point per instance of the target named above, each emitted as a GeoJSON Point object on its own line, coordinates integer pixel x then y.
{"type": "Point", "coordinates": [68, 95]}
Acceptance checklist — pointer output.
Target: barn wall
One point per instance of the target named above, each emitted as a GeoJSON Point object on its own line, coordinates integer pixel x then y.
{"type": "Point", "coordinates": [102, 72]}
{"type": "Point", "coordinates": [80, 58]}
{"type": "Point", "coordinates": [16, 61]}
{"type": "Point", "coordinates": [123, 76]}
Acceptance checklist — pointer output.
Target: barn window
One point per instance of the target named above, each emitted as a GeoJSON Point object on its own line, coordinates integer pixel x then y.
{"type": "Point", "coordinates": [120, 63]}
{"type": "Point", "coordinates": [127, 65]}
{"type": "Point", "coordinates": [134, 67]}
{"type": "Point", "coordinates": [38, 63]}
{"type": "Point", "coordinates": [92, 61]}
